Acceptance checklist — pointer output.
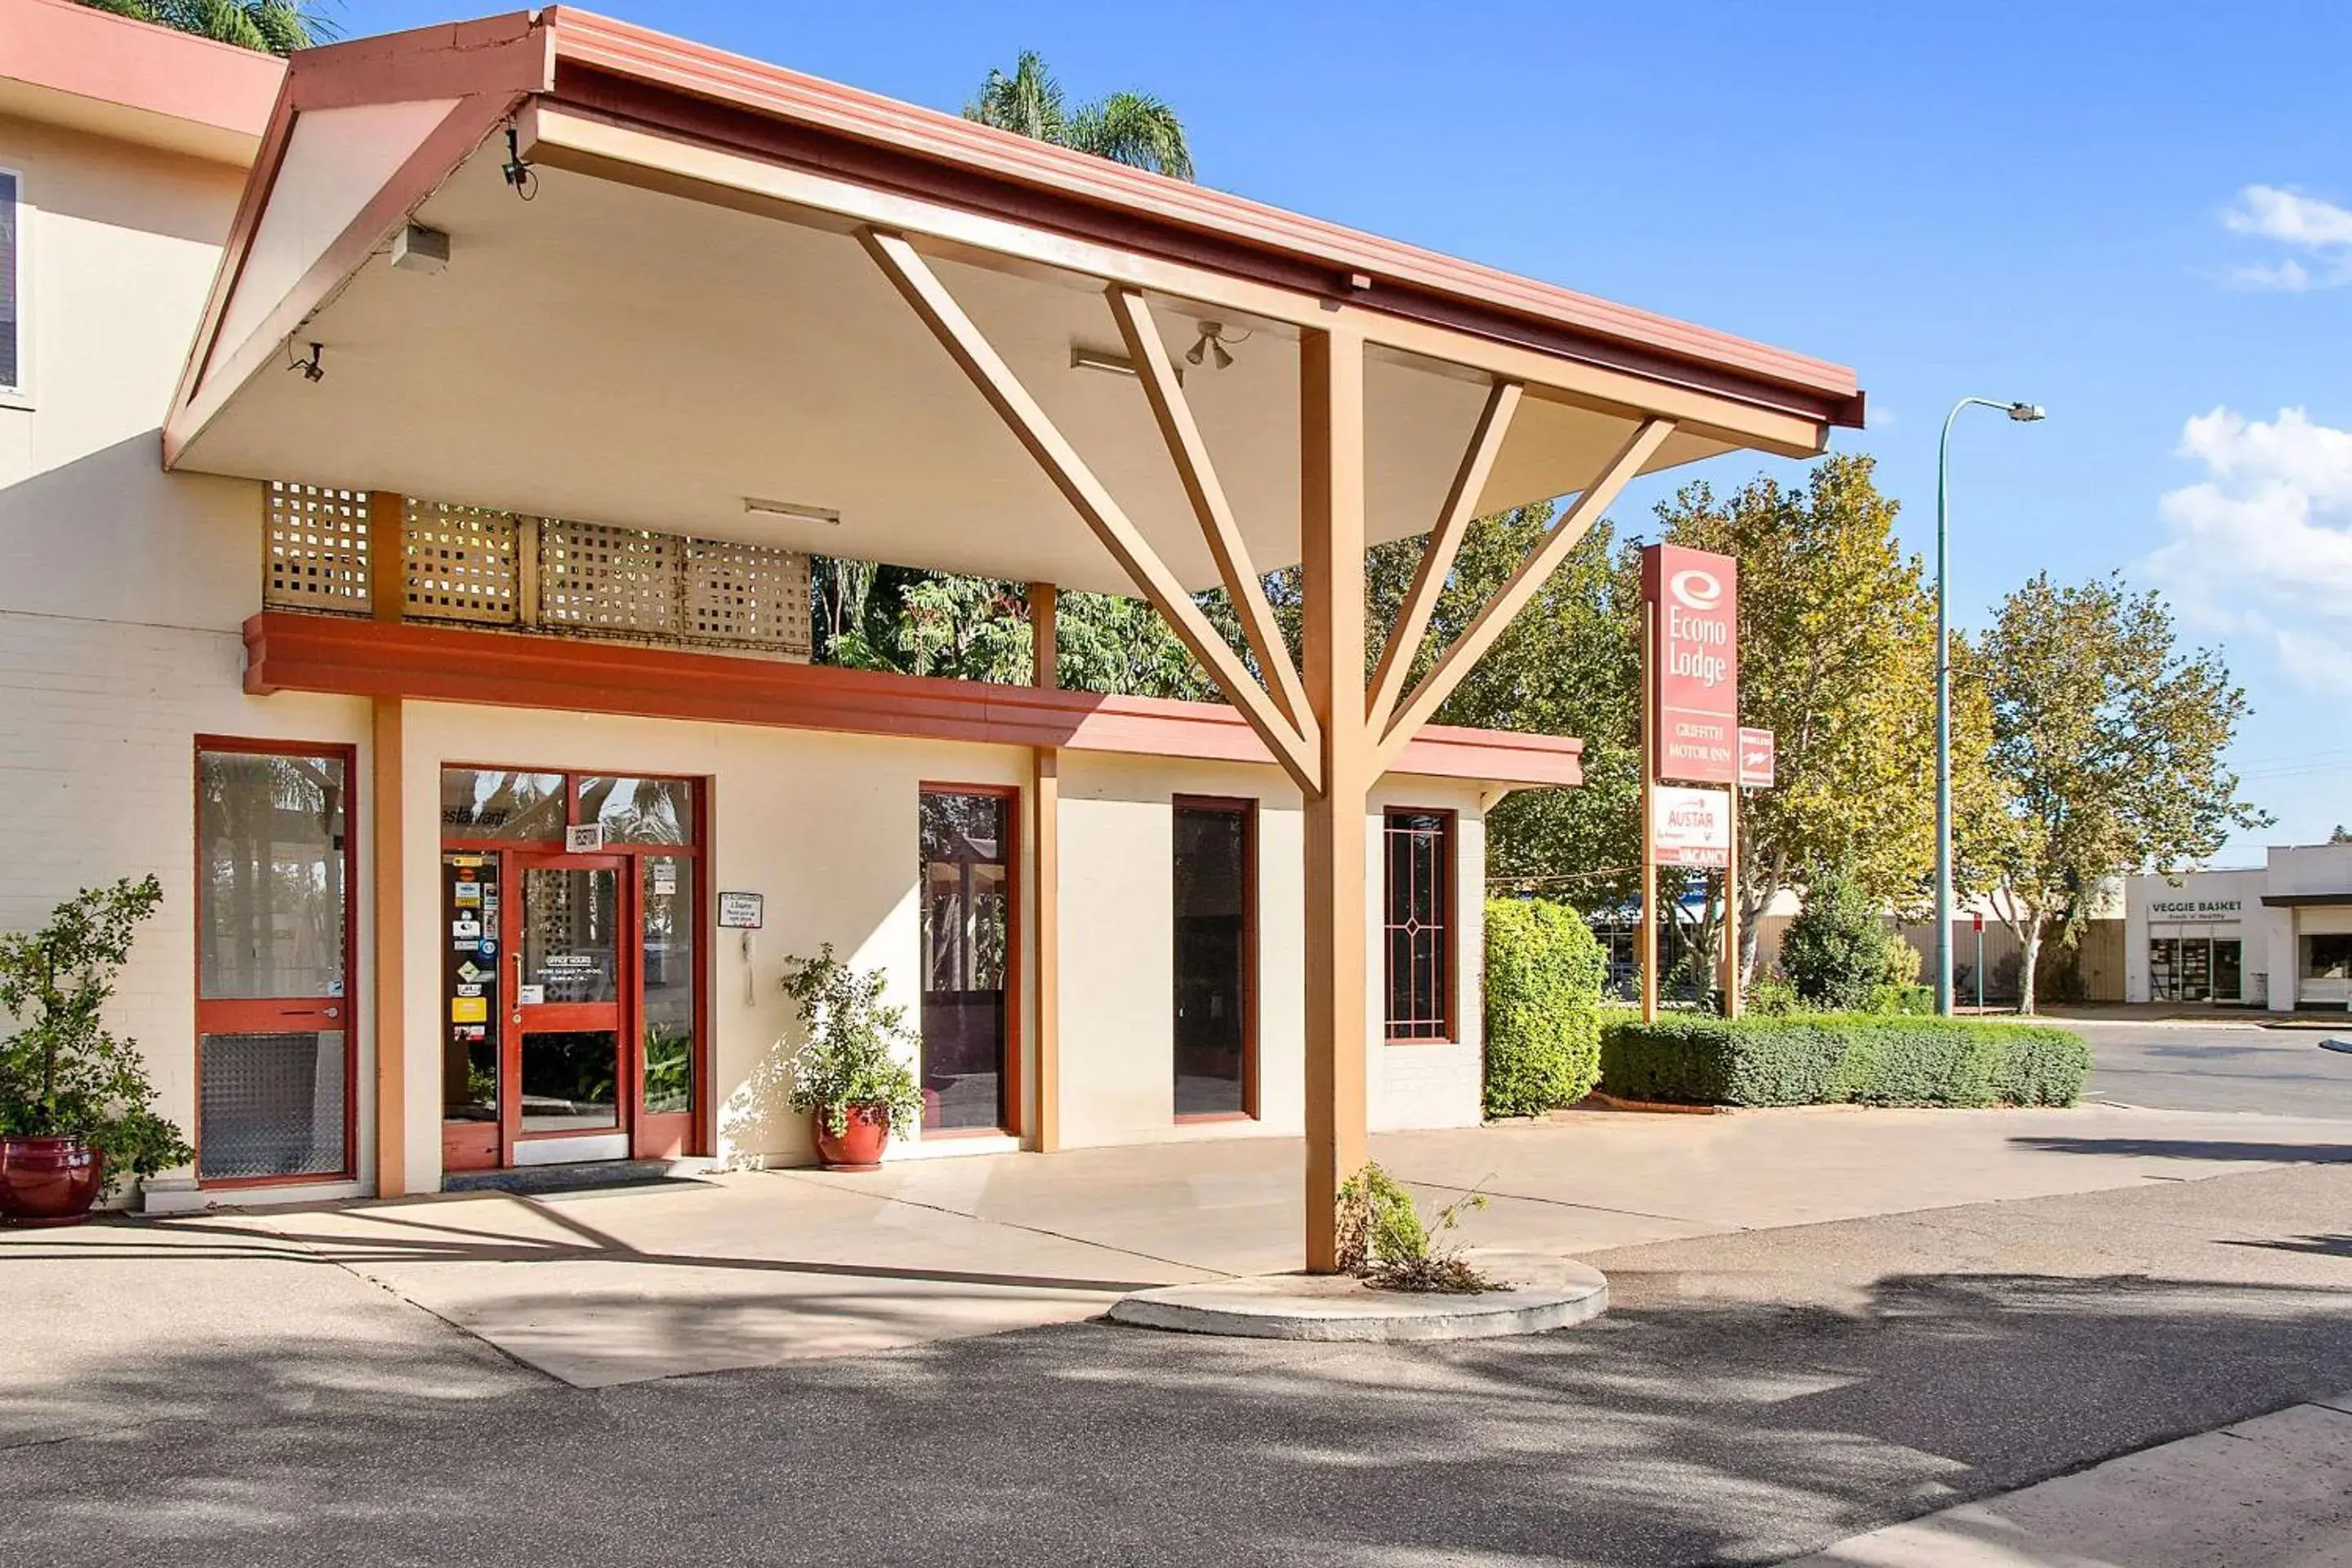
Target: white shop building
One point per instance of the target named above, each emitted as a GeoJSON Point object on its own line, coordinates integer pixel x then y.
{"type": "Point", "coordinates": [2278, 935]}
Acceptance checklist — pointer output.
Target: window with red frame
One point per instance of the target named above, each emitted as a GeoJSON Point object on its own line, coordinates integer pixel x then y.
{"type": "Point", "coordinates": [1418, 924]}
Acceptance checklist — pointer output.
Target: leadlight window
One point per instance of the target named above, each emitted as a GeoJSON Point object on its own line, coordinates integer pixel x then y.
{"type": "Point", "coordinates": [1417, 925]}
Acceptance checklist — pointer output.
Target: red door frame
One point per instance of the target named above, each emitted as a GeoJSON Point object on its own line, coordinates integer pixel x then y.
{"type": "Point", "coordinates": [699, 1135]}
{"type": "Point", "coordinates": [618, 1016]}
{"type": "Point", "coordinates": [291, 1014]}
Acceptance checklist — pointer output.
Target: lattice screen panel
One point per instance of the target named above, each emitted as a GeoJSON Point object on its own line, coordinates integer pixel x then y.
{"type": "Point", "coordinates": [746, 595]}
{"type": "Point", "coordinates": [317, 549]}
{"type": "Point", "coordinates": [460, 563]}
{"type": "Point", "coordinates": [620, 581]}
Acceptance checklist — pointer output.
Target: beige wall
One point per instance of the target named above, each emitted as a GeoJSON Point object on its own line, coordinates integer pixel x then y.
{"type": "Point", "coordinates": [123, 588]}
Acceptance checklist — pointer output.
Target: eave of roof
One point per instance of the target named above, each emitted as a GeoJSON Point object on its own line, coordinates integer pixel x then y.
{"type": "Point", "coordinates": [58, 48]}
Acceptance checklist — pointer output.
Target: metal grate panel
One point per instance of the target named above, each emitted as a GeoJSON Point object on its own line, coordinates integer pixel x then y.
{"type": "Point", "coordinates": [746, 595]}
{"type": "Point", "coordinates": [619, 581]}
{"type": "Point", "coordinates": [270, 1105]}
{"type": "Point", "coordinates": [317, 549]}
{"type": "Point", "coordinates": [459, 563]}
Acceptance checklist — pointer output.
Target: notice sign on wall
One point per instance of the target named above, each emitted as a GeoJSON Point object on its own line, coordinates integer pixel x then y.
{"type": "Point", "coordinates": [1694, 600]}
{"type": "Point", "coordinates": [1690, 826]}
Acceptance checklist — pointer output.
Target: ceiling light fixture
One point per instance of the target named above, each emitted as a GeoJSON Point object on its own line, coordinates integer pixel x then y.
{"type": "Point", "coordinates": [1211, 340]}
{"type": "Point", "coordinates": [1114, 365]}
{"type": "Point", "coordinates": [792, 509]}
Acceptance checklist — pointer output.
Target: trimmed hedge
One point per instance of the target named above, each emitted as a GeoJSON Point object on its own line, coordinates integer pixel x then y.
{"type": "Point", "coordinates": [1544, 974]}
{"type": "Point", "coordinates": [1844, 1058]}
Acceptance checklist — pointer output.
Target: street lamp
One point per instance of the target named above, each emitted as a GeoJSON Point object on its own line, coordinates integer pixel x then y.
{"type": "Point", "coordinates": [2024, 413]}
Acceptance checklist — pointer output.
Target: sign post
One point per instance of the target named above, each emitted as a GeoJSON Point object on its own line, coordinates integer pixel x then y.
{"type": "Point", "coordinates": [1976, 918]}
{"type": "Point", "coordinates": [1690, 694]}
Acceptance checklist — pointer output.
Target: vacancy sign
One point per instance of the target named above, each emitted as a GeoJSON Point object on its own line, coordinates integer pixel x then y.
{"type": "Point", "coordinates": [1690, 826]}
{"type": "Point", "coordinates": [1695, 669]}
{"type": "Point", "coordinates": [1756, 758]}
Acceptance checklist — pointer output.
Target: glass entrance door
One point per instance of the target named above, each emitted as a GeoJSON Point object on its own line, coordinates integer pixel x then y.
{"type": "Point", "coordinates": [564, 1072]}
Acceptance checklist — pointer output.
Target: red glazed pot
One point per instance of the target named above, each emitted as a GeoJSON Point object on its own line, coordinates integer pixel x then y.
{"type": "Point", "coordinates": [860, 1143]}
{"type": "Point", "coordinates": [48, 1181]}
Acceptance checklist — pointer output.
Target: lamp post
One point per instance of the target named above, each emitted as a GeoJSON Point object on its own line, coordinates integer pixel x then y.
{"type": "Point", "coordinates": [2024, 413]}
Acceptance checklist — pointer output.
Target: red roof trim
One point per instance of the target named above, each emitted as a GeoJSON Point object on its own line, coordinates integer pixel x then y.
{"type": "Point", "coordinates": [108, 58]}
{"type": "Point", "coordinates": [287, 651]}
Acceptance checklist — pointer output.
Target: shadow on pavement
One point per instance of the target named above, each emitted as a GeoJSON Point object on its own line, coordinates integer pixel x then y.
{"type": "Point", "coordinates": [2195, 1149]}
{"type": "Point", "coordinates": [1676, 1432]}
{"type": "Point", "coordinates": [2317, 1246]}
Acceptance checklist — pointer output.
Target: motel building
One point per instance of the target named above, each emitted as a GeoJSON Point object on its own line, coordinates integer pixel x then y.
{"type": "Point", "coordinates": [411, 457]}
{"type": "Point", "coordinates": [2276, 936]}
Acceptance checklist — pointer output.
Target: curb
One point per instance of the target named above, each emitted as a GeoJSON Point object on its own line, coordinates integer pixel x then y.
{"type": "Point", "coordinates": [1338, 1308]}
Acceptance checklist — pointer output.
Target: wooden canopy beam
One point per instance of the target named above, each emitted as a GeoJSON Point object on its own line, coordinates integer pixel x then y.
{"type": "Point", "coordinates": [1437, 556]}
{"type": "Point", "coordinates": [1029, 422]}
{"type": "Point", "coordinates": [1199, 474]}
{"type": "Point", "coordinates": [1522, 586]}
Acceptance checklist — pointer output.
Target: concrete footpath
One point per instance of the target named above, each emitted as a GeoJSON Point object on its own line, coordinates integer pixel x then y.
{"type": "Point", "coordinates": [2273, 1492]}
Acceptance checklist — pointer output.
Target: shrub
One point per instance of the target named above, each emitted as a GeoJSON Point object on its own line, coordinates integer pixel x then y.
{"type": "Point", "coordinates": [63, 1075]}
{"type": "Point", "coordinates": [1544, 974]}
{"type": "Point", "coordinates": [1864, 1059]}
{"type": "Point", "coordinates": [1837, 948]}
{"type": "Point", "coordinates": [1383, 1242]}
{"type": "Point", "coordinates": [1918, 1001]}
{"type": "Point", "coordinates": [852, 1056]}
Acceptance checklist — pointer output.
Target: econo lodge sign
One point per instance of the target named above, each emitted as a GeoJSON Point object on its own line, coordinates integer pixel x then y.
{"type": "Point", "coordinates": [1694, 599]}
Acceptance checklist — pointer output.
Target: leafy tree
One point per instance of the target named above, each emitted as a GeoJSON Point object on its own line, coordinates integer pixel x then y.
{"type": "Point", "coordinates": [1837, 645]}
{"type": "Point", "coordinates": [1838, 949]}
{"type": "Point", "coordinates": [1131, 128]}
{"type": "Point", "coordinates": [2106, 745]}
{"type": "Point", "coordinates": [272, 27]}
{"type": "Point", "coordinates": [2337, 835]}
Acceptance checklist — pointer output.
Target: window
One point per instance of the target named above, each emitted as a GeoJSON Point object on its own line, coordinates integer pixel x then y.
{"type": "Point", "coordinates": [1215, 886]}
{"type": "Point", "coordinates": [15, 325]}
{"type": "Point", "coordinates": [275, 1050]}
{"type": "Point", "coordinates": [1418, 924]}
{"type": "Point", "coordinates": [967, 926]}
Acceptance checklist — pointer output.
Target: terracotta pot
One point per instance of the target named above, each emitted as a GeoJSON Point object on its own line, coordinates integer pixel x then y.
{"type": "Point", "coordinates": [48, 1181]}
{"type": "Point", "coordinates": [860, 1146]}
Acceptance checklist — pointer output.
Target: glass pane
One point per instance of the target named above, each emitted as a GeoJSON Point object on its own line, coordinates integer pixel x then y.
{"type": "Point", "coordinates": [270, 1105]}
{"type": "Point", "coordinates": [2195, 979]}
{"type": "Point", "coordinates": [569, 934]}
{"type": "Point", "coordinates": [489, 802]}
{"type": "Point", "coordinates": [270, 834]}
{"type": "Point", "coordinates": [570, 1079]}
{"type": "Point", "coordinates": [1418, 905]}
{"type": "Point", "coordinates": [2162, 982]}
{"type": "Point", "coordinates": [966, 945]}
{"type": "Point", "coordinates": [470, 981]}
{"type": "Point", "coordinates": [1212, 902]}
{"type": "Point", "coordinates": [639, 811]}
{"type": "Point", "coordinates": [2229, 971]}
{"type": "Point", "coordinates": [668, 898]}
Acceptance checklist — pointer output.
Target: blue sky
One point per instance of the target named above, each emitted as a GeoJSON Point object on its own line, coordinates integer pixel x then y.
{"type": "Point", "coordinates": [2139, 216]}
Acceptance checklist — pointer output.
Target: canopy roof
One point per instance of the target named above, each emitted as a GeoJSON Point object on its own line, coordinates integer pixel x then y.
{"type": "Point", "coordinates": [681, 318]}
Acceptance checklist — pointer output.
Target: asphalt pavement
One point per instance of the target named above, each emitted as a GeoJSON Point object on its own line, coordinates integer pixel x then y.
{"type": "Point", "coordinates": [2220, 1067]}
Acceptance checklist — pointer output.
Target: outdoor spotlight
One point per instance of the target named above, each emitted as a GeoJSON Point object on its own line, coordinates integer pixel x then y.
{"type": "Point", "coordinates": [1211, 342]}
{"type": "Point", "coordinates": [2026, 413]}
{"type": "Point", "coordinates": [517, 169]}
{"type": "Point", "coordinates": [312, 371]}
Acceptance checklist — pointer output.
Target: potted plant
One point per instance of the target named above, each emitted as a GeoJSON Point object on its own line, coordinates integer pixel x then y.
{"type": "Point", "coordinates": [849, 1073]}
{"type": "Point", "coordinates": [77, 1109]}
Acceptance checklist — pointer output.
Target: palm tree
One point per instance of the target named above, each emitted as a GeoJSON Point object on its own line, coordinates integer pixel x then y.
{"type": "Point", "coordinates": [273, 27]}
{"type": "Point", "coordinates": [1131, 128]}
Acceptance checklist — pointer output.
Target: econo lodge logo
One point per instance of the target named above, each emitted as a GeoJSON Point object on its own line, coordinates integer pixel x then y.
{"type": "Point", "coordinates": [1698, 632]}
{"type": "Point", "coordinates": [1696, 587]}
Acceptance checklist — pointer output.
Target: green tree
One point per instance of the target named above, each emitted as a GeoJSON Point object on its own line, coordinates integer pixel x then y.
{"type": "Point", "coordinates": [272, 27]}
{"type": "Point", "coordinates": [1131, 128]}
{"type": "Point", "coordinates": [1837, 645]}
{"type": "Point", "coordinates": [2106, 746]}
{"type": "Point", "coordinates": [1838, 949]}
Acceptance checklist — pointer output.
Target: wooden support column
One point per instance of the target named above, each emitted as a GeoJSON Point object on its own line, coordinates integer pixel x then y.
{"type": "Point", "coordinates": [387, 555]}
{"type": "Point", "coordinates": [1044, 646]}
{"type": "Point", "coordinates": [390, 969]}
{"type": "Point", "coordinates": [1331, 531]}
{"type": "Point", "coordinates": [1045, 801]}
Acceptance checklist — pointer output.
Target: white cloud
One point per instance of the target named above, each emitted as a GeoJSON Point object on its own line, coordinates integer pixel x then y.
{"type": "Point", "coordinates": [2289, 277]}
{"type": "Point", "coordinates": [2320, 230]}
{"type": "Point", "coordinates": [2261, 548]}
